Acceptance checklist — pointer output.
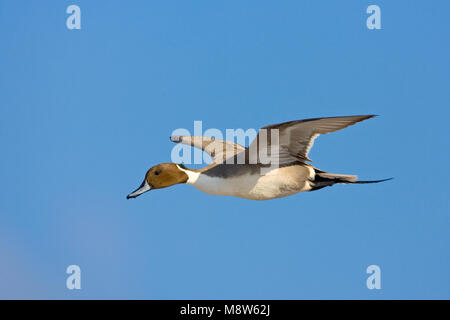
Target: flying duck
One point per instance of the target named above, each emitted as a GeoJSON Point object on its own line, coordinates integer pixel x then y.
{"type": "Point", "coordinates": [245, 172]}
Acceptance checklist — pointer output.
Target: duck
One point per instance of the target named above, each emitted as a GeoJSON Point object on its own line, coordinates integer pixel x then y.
{"type": "Point", "coordinates": [245, 172]}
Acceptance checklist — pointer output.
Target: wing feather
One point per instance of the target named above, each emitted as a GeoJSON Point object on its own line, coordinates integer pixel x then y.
{"type": "Point", "coordinates": [219, 150]}
{"type": "Point", "coordinates": [295, 138]}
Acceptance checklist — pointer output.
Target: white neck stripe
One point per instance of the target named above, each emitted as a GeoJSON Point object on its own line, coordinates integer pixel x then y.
{"type": "Point", "coordinates": [192, 175]}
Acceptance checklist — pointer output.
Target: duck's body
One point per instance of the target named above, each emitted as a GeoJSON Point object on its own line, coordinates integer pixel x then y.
{"type": "Point", "coordinates": [249, 183]}
{"type": "Point", "coordinates": [245, 172]}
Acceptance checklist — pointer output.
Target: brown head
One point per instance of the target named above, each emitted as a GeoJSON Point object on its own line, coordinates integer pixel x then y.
{"type": "Point", "coordinates": [160, 176]}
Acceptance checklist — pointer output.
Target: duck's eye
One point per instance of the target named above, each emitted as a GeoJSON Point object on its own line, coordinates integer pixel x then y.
{"type": "Point", "coordinates": [157, 173]}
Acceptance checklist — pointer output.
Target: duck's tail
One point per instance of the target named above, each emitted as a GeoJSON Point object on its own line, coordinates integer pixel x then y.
{"type": "Point", "coordinates": [325, 179]}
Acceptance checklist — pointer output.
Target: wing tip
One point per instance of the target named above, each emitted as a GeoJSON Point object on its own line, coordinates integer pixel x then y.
{"type": "Point", "coordinates": [366, 117]}
{"type": "Point", "coordinates": [175, 139]}
{"type": "Point", "coordinates": [363, 116]}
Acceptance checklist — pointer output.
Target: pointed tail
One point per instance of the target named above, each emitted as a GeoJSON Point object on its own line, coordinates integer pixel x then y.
{"type": "Point", "coordinates": [325, 179]}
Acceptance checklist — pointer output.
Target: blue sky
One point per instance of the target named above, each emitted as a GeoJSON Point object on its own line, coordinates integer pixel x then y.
{"type": "Point", "coordinates": [86, 112]}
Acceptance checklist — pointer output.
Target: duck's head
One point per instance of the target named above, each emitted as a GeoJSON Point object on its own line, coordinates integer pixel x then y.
{"type": "Point", "coordinates": [160, 176]}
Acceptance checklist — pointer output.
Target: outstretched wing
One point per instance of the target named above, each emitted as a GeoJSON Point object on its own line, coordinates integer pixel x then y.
{"type": "Point", "coordinates": [219, 150]}
{"type": "Point", "coordinates": [294, 139]}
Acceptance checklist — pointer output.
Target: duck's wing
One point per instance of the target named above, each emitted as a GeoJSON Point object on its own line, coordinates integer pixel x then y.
{"type": "Point", "coordinates": [295, 138]}
{"type": "Point", "coordinates": [219, 150]}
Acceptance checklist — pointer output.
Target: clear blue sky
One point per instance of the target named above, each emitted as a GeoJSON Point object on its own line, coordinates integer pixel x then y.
{"type": "Point", "coordinates": [86, 112]}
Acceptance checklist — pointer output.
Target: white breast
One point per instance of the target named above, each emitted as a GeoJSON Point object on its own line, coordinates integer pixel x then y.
{"type": "Point", "coordinates": [276, 183]}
